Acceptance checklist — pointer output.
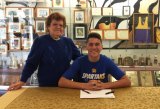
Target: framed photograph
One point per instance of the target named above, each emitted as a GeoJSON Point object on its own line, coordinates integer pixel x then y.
{"type": "Point", "coordinates": [146, 78]}
{"type": "Point", "coordinates": [40, 26]}
{"type": "Point", "coordinates": [26, 43]}
{"type": "Point", "coordinates": [157, 77]}
{"type": "Point", "coordinates": [28, 12]}
{"type": "Point", "coordinates": [11, 12]}
{"type": "Point", "coordinates": [3, 49]}
{"type": "Point", "coordinates": [107, 11]}
{"type": "Point", "coordinates": [79, 16]}
{"type": "Point", "coordinates": [126, 10]}
{"type": "Point", "coordinates": [97, 31]}
{"type": "Point", "coordinates": [122, 34]}
{"type": "Point", "coordinates": [96, 12]}
{"type": "Point", "coordinates": [143, 28]}
{"type": "Point", "coordinates": [80, 31]}
{"type": "Point", "coordinates": [58, 3]}
{"type": "Point", "coordinates": [28, 29]}
{"type": "Point", "coordinates": [14, 44]}
{"type": "Point", "coordinates": [42, 12]}
{"type": "Point", "coordinates": [14, 27]}
{"type": "Point", "coordinates": [109, 34]}
{"type": "Point", "coordinates": [133, 76]}
{"type": "Point", "coordinates": [157, 34]}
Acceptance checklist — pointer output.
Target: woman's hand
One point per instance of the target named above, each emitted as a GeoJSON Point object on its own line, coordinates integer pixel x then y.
{"type": "Point", "coordinates": [16, 86]}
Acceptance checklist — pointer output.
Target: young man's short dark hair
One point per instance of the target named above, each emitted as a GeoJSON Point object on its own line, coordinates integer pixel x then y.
{"type": "Point", "coordinates": [94, 35]}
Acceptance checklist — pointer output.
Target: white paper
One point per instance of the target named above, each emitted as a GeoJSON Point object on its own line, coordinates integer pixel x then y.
{"type": "Point", "coordinates": [96, 94]}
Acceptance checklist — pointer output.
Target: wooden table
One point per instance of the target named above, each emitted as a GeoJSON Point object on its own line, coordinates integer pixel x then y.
{"type": "Point", "coordinates": [63, 98]}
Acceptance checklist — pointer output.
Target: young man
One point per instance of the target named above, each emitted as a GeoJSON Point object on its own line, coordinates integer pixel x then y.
{"type": "Point", "coordinates": [91, 71]}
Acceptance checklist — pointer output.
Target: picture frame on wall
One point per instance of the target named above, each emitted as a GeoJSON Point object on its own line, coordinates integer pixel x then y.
{"type": "Point", "coordinates": [126, 10]}
{"type": "Point", "coordinates": [40, 26]}
{"type": "Point", "coordinates": [79, 16]}
{"type": "Point", "coordinates": [28, 29]}
{"type": "Point", "coordinates": [58, 3]}
{"type": "Point", "coordinates": [133, 76]}
{"type": "Point", "coordinates": [157, 34]}
{"type": "Point", "coordinates": [11, 12]}
{"type": "Point", "coordinates": [96, 12]}
{"type": "Point", "coordinates": [122, 34]}
{"type": "Point", "coordinates": [26, 44]}
{"type": "Point", "coordinates": [42, 12]}
{"type": "Point", "coordinates": [146, 78]}
{"type": "Point", "coordinates": [143, 28]}
{"type": "Point", "coordinates": [80, 31]}
{"type": "Point", "coordinates": [14, 27]}
{"type": "Point", "coordinates": [109, 34]}
{"type": "Point", "coordinates": [108, 11]}
{"type": "Point", "coordinates": [28, 12]}
{"type": "Point", "coordinates": [3, 49]}
{"type": "Point", "coordinates": [15, 44]}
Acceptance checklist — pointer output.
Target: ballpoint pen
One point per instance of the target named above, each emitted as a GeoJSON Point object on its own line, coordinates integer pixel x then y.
{"type": "Point", "coordinates": [112, 91]}
{"type": "Point", "coordinates": [86, 91]}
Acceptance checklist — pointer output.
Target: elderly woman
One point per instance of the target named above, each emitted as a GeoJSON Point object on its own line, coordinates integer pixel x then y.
{"type": "Point", "coordinates": [50, 53]}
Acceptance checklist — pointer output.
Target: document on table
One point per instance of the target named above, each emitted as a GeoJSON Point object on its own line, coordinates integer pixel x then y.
{"type": "Point", "coordinates": [105, 93]}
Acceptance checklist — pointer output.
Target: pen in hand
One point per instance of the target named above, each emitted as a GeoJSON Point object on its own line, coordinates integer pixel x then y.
{"type": "Point", "coordinates": [112, 91]}
{"type": "Point", "coordinates": [86, 91]}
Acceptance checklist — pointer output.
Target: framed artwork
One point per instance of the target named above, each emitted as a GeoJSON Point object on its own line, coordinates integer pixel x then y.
{"type": "Point", "coordinates": [2, 33]}
{"type": "Point", "coordinates": [40, 26]}
{"type": "Point", "coordinates": [58, 3]}
{"type": "Point", "coordinates": [14, 27]}
{"type": "Point", "coordinates": [109, 34]}
{"type": "Point", "coordinates": [107, 11]}
{"type": "Point", "coordinates": [11, 12]}
{"type": "Point", "coordinates": [126, 10]}
{"type": "Point", "coordinates": [14, 44]}
{"type": "Point", "coordinates": [143, 28]}
{"type": "Point", "coordinates": [26, 44]}
{"type": "Point", "coordinates": [29, 12]}
{"type": "Point", "coordinates": [133, 76]}
{"type": "Point", "coordinates": [146, 78]}
{"type": "Point", "coordinates": [42, 12]}
{"type": "Point", "coordinates": [157, 77]}
{"type": "Point", "coordinates": [157, 34]}
{"type": "Point", "coordinates": [28, 29]}
{"type": "Point", "coordinates": [96, 12]}
{"type": "Point", "coordinates": [97, 31]}
{"type": "Point", "coordinates": [79, 16]}
{"type": "Point", "coordinates": [3, 49]}
{"type": "Point", "coordinates": [122, 34]}
{"type": "Point", "coordinates": [80, 31]}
